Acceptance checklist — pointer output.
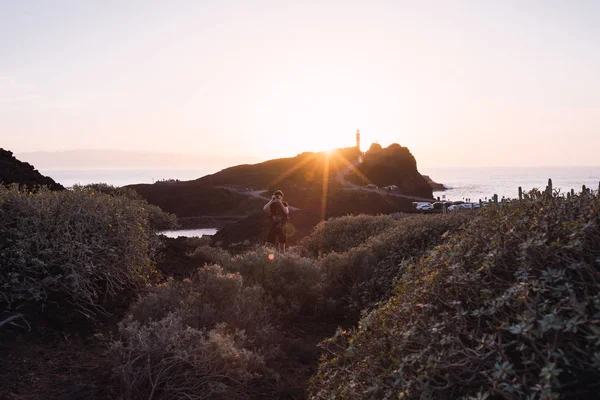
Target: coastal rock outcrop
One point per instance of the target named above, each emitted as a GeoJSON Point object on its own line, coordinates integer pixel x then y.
{"type": "Point", "coordinates": [317, 185]}
{"type": "Point", "coordinates": [437, 187]}
{"type": "Point", "coordinates": [393, 165]}
{"type": "Point", "coordinates": [22, 173]}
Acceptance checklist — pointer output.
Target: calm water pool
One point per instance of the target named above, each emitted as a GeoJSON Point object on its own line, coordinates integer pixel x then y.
{"type": "Point", "coordinates": [189, 232]}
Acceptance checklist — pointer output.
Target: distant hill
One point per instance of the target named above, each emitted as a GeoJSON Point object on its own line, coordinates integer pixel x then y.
{"type": "Point", "coordinates": [306, 169]}
{"type": "Point", "coordinates": [14, 171]}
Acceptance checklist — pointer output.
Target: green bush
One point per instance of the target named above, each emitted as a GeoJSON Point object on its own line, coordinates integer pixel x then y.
{"type": "Point", "coordinates": [80, 250]}
{"type": "Point", "coordinates": [211, 296]}
{"type": "Point", "coordinates": [159, 220]}
{"type": "Point", "coordinates": [203, 337]}
{"type": "Point", "coordinates": [508, 308]}
{"type": "Point", "coordinates": [343, 233]}
{"type": "Point", "coordinates": [367, 273]}
{"type": "Point", "coordinates": [206, 254]}
{"type": "Point", "coordinates": [110, 190]}
{"type": "Point", "coordinates": [294, 283]}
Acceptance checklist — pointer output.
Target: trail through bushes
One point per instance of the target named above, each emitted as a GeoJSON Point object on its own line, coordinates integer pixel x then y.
{"type": "Point", "coordinates": [261, 304]}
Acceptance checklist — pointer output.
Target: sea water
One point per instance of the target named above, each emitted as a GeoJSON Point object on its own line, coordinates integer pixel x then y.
{"type": "Point", "coordinates": [121, 177]}
{"type": "Point", "coordinates": [482, 183]}
{"type": "Point", "coordinates": [189, 232]}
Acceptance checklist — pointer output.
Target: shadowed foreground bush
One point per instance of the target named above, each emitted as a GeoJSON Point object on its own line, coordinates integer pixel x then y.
{"type": "Point", "coordinates": [202, 338]}
{"type": "Point", "coordinates": [506, 309]}
{"type": "Point", "coordinates": [365, 274]}
{"type": "Point", "coordinates": [76, 250]}
{"type": "Point", "coordinates": [206, 254]}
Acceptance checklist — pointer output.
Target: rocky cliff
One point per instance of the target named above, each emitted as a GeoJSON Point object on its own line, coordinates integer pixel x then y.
{"type": "Point", "coordinates": [15, 171]}
{"type": "Point", "coordinates": [393, 165]}
{"type": "Point", "coordinates": [437, 187]}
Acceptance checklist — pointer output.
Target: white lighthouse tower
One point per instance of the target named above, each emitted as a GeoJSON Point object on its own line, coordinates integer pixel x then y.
{"type": "Point", "coordinates": [358, 139]}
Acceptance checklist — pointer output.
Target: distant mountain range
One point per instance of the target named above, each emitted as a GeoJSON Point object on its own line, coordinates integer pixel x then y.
{"type": "Point", "coordinates": [121, 159]}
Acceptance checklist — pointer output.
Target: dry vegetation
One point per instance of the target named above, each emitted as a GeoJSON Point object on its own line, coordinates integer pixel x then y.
{"type": "Point", "coordinates": [500, 303]}
{"type": "Point", "coordinates": [508, 308]}
{"type": "Point", "coordinates": [247, 304]}
{"type": "Point", "coordinates": [71, 252]}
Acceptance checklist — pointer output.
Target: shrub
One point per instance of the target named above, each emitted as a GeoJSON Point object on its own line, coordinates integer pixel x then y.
{"type": "Point", "coordinates": [506, 309]}
{"type": "Point", "coordinates": [203, 337]}
{"type": "Point", "coordinates": [293, 282]}
{"type": "Point", "coordinates": [166, 359]}
{"type": "Point", "coordinates": [159, 220]}
{"type": "Point", "coordinates": [110, 190]}
{"type": "Point", "coordinates": [77, 249]}
{"type": "Point", "coordinates": [343, 233]}
{"type": "Point", "coordinates": [366, 274]}
{"type": "Point", "coordinates": [211, 296]}
{"type": "Point", "coordinates": [206, 254]}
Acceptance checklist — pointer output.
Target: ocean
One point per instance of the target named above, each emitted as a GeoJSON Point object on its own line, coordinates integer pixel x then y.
{"type": "Point", "coordinates": [122, 177]}
{"type": "Point", "coordinates": [482, 183]}
{"type": "Point", "coordinates": [463, 183]}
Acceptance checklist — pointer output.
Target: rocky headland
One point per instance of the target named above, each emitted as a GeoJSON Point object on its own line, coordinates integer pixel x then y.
{"type": "Point", "coordinates": [317, 185]}
{"type": "Point", "coordinates": [22, 173]}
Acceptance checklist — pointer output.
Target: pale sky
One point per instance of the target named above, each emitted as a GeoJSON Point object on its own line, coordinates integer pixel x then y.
{"type": "Point", "coordinates": [461, 83]}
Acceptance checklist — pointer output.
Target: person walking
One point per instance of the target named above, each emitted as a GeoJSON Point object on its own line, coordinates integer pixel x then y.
{"type": "Point", "coordinates": [278, 211]}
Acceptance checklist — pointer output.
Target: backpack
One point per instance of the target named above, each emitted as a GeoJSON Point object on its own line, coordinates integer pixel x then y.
{"type": "Point", "coordinates": [278, 217]}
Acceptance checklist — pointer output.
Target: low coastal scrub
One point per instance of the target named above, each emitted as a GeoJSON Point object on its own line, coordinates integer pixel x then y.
{"type": "Point", "coordinates": [343, 233]}
{"type": "Point", "coordinates": [248, 305]}
{"type": "Point", "coordinates": [204, 337]}
{"type": "Point", "coordinates": [72, 252]}
{"type": "Point", "coordinates": [294, 283]}
{"type": "Point", "coordinates": [508, 308]}
{"type": "Point", "coordinates": [366, 274]}
{"type": "Point", "coordinates": [157, 218]}
{"type": "Point", "coordinates": [206, 254]}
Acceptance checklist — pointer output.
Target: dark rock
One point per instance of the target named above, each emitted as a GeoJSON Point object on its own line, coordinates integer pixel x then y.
{"type": "Point", "coordinates": [394, 165]}
{"type": "Point", "coordinates": [22, 173]}
{"type": "Point", "coordinates": [437, 187]}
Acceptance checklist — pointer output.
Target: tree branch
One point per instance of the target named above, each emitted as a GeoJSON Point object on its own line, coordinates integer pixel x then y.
{"type": "Point", "coordinates": [14, 317]}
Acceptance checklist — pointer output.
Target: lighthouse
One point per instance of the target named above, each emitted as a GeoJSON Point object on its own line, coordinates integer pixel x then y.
{"type": "Point", "coordinates": [358, 139]}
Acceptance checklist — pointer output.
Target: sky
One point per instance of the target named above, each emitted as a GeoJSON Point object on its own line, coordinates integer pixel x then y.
{"type": "Point", "coordinates": [460, 83]}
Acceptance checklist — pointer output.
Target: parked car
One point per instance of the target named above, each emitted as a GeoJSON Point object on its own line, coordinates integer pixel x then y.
{"type": "Point", "coordinates": [424, 207]}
